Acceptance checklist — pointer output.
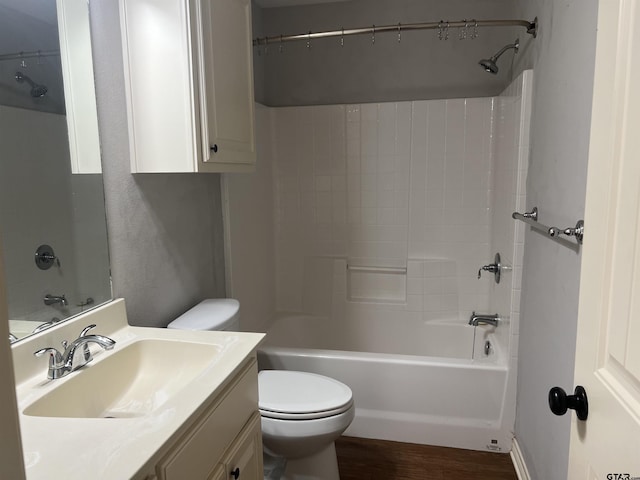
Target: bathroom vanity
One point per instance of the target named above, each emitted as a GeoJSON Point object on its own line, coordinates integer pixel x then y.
{"type": "Point", "coordinates": [162, 404]}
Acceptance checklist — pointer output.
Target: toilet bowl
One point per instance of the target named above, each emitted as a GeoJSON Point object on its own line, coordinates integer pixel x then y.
{"type": "Point", "coordinates": [302, 413]}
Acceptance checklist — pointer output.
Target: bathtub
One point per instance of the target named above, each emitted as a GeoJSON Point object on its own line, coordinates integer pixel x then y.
{"type": "Point", "coordinates": [412, 381]}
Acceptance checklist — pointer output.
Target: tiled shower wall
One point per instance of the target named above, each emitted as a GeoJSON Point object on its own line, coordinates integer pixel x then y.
{"type": "Point", "coordinates": [402, 185]}
{"type": "Point", "coordinates": [511, 157]}
{"type": "Point", "coordinates": [41, 202]}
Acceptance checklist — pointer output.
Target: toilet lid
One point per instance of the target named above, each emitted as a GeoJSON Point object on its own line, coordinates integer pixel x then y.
{"type": "Point", "coordinates": [301, 395]}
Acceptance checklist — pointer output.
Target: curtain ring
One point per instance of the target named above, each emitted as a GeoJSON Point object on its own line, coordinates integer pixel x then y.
{"type": "Point", "coordinates": [342, 38]}
{"type": "Point", "coordinates": [399, 34]}
{"type": "Point", "coordinates": [309, 39]}
{"type": "Point", "coordinates": [373, 36]}
{"type": "Point", "coordinates": [463, 30]}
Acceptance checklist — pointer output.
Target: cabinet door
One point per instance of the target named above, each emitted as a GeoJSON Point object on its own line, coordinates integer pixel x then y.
{"type": "Point", "coordinates": [218, 474]}
{"type": "Point", "coordinates": [206, 443]}
{"type": "Point", "coordinates": [226, 83]}
{"type": "Point", "coordinates": [159, 85]}
{"type": "Point", "coordinates": [244, 458]}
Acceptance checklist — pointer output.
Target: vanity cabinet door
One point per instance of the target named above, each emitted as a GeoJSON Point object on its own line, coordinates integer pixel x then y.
{"type": "Point", "coordinates": [205, 444]}
{"type": "Point", "coordinates": [225, 63]}
{"type": "Point", "coordinates": [243, 460]}
{"type": "Point", "coordinates": [218, 474]}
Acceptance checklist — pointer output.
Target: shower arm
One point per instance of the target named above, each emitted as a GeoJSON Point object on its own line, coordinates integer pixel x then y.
{"type": "Point", "coordinates": [504, 49]}
{"type": "Point", "coordinates": [532, 29]}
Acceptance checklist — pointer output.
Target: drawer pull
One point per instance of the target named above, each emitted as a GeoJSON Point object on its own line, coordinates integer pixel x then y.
{"type": "Point", "coordinates": [235, 473]}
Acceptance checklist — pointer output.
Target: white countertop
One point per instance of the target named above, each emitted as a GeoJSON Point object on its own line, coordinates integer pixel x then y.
{"type": "Point", "coordinates": [121, 448]}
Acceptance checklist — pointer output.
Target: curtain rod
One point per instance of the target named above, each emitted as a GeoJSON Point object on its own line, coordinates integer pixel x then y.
{"type": "Point", "coordinates": [33, 54]}
{"type": "Point", "coordinates": [532, 29]}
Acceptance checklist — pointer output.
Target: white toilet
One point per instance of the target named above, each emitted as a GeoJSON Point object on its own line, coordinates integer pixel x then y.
{"type": "Point", "coordinates": [302, 413]}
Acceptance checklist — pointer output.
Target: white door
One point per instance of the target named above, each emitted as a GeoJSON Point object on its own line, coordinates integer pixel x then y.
{"type": "Point", "coordinates": [607, 445]}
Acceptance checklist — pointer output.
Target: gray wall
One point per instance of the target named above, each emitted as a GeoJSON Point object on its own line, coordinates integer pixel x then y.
{"type": "Point", "coordinates": [420, 67]}
{"type": "Point", "coordinates": [563, 61]}
{"type": "Point", "coordinates": [165, 230]}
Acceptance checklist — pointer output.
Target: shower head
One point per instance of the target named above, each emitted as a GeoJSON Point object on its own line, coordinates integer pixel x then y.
{"type": "Point", "coordinates": [490, 64]}
{"type": "Point", "coordinates": [36, 89]}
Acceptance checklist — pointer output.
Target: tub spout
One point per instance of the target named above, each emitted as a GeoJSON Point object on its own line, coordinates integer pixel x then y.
{"type": "Point", "coordinates": [480, 319]}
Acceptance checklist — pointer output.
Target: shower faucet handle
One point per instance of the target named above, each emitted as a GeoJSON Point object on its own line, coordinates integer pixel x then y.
{"type": "Point", "coordinates": [492, 267]}
{"type": "Point", "coordinates": [495, 268]}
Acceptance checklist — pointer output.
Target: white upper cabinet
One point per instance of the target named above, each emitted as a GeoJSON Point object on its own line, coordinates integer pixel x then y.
{"type": "Point", "coordinates": [189, 85]}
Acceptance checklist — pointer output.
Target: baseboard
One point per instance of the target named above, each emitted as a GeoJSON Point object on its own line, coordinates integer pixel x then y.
{"type": "Point", "coordinates": [518, 461]}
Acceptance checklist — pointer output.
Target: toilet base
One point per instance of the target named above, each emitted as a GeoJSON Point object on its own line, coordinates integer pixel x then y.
{"type": "Point", "coordinates": [320, 466]}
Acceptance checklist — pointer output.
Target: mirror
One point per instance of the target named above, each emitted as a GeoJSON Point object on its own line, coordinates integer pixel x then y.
{"type": "Point", "coordinates": [52, 216]}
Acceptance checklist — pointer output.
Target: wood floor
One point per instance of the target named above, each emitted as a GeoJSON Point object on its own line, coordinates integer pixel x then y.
{"type": "Point", "coordinates": [364, 459]}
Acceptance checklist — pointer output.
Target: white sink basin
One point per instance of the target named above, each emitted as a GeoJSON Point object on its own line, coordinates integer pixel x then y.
{"type": "Point", "coordinates": [131, 382]}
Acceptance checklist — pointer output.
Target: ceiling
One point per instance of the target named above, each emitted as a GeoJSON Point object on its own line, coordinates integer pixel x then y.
{"type": "Point", "coordinates": [291, 3]}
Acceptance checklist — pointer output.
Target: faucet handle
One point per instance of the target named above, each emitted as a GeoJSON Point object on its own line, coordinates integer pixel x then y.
{"type": "Point", "coordinates": [494, 268]}
{"type": "Point", "coordinates": [55, 354]}
{"type": "Point", "coordinates": [86, 352]}
{"type": "Point", "coordinates": [55, 360]}
{"type": "Point", "coordinates": [86, 329]}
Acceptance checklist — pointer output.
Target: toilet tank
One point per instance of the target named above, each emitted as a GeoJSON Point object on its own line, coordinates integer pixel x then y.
{"type": "Point", "coordinates": [210, 314]}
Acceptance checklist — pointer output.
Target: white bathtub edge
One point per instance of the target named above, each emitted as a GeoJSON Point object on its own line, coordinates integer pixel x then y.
{"type": "Point", "coordinates": [518, 461]}
{"type": "Point", "coordinates": [469, 435]}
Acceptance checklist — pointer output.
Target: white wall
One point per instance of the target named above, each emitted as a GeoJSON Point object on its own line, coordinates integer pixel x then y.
{"type": "Point", "coordinates": [249, 233]}
{"type": "Point", "coordinates": [91, 248]}
{"type": "Point", "coordinates": [41, 202]}
{"type": "Point", "coordinates": [563, 60]}
{"type": "Point", "coordinates": [384, 185]}
{"type": "Point", "coordinates": [36, 208]}
{"type": "Point", "coordinates": [510, 164]}
{"type": "Point", "coordinates": [400, 185]}
{"type": "Point", "coordinates": [419, 67]}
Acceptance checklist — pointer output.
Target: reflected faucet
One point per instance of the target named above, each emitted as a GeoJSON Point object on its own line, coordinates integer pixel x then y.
{"type": "Point", "coordinates": [45, 325]}
{"type": "Point", "coordinates": [62, 364]}
{"type": "Point", "coordinates": [53, 299]}
{"type": "Point", "coordinates": [480, 319]}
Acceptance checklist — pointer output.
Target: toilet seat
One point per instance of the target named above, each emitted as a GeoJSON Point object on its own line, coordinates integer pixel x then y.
{"type": "Point", "coordinates": [288, 395]}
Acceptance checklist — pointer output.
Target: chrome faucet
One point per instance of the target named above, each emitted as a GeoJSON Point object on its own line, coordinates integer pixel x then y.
{"type": "Point", "coordinates": [45, 325]}
{"type": "Point", "coordinates": [480, 319]}
{"type": "Point", "coordinates": [53, 299]}
{"type": "Point", "coordinates": [62, 364]}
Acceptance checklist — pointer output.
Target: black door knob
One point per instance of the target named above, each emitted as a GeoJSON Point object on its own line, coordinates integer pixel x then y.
{"type": "Point", "coordinates": [235, 473]}
{"type": "Point", "coordinates": [559, 402]}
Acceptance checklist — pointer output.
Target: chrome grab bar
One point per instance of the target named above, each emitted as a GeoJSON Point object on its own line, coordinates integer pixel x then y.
{"type": "Point", "coordinates": [531, 218]}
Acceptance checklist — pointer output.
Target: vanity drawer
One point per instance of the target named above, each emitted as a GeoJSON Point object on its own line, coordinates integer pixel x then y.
{"type": "Point", "coordinates": [197, 455]}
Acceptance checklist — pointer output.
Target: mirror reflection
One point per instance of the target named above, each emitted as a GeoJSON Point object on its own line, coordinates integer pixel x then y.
{"type": "Point", "coordinates": [52, 221]}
